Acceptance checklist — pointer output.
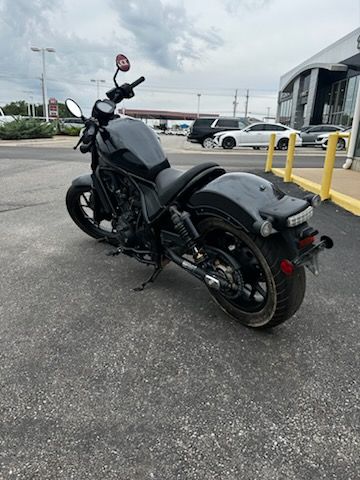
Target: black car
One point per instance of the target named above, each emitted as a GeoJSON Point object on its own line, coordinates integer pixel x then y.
{"type": "Point", "coordinates": [203, 129]}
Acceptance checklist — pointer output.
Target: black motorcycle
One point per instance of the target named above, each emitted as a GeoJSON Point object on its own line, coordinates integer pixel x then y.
{"type": "Point", "coordinates": [238, 233]}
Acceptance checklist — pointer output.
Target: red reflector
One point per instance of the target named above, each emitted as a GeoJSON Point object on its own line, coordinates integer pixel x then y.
{"type": "Point", "coordinates": [287, 267]}
{"type": "Point", "coordinates": [306, 241]}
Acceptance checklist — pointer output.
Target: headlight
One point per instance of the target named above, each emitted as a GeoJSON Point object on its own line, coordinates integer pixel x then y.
{"type": "Point", "coordinates": [300, 217]}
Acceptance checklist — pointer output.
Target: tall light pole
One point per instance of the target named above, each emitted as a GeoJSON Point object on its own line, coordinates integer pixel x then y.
{"type": "Point", "coordinates": [235, 103]}
{"type": "Point", "coordinates": [246, 102]}
{"type": "Point", "coordinates": [198, 105]}
{"type": "Point", "coordinates": [43, 78]}
{"type": "Point", "coordinates": [97, 85]}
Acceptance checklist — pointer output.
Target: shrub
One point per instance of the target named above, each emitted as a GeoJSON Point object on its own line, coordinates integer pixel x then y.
{"type": "Point", "coordinates": [72, 131]}
{"type": "Point", "coordinates": [26, 128]}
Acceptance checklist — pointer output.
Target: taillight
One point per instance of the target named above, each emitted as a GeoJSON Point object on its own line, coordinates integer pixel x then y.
{"type": "Point", "coordinates": [304, 242]}
{"type": "Point", "coordinates": [287, 267]}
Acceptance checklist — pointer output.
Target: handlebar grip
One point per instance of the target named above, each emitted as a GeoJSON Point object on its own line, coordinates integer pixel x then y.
{"type": "Point", "coordinates": [137, 82]}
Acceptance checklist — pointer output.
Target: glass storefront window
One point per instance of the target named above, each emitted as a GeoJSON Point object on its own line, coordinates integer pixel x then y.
{"type": "Point", "coordinates": [285, 111]}
{"type": "Point", "coordinates": [349, 105]}
{"type": "Point", "coordinates": [341, 106]}
{"type": "Point", "coordinates": [357, 145]}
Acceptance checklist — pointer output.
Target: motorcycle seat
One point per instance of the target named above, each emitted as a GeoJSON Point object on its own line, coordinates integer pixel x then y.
{"type": "Point", "coordinates": [171, 182]}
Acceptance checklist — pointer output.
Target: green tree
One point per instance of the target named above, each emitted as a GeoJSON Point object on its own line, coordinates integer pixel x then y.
{"type": "Point", "coordinates": [16, 108]}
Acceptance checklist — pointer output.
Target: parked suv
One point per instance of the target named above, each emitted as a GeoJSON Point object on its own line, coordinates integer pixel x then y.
{"type": "Point", "coordinates": [203, 129]}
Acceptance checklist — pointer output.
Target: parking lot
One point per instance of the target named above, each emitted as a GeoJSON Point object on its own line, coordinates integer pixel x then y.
{"type": "Point", "coordinates": [101, 382]}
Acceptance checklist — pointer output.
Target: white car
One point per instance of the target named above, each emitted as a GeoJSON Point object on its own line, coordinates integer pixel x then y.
{"type": "Point", "coordinates": [342, 144]}
{"type": "Point", "coordinates": [257, 135]}
{"type": "Point", "coordinates": [5, 118]}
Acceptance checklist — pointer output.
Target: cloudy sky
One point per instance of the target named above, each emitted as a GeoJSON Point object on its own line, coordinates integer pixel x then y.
{"type": "Point", "coordinates": [182, 47]}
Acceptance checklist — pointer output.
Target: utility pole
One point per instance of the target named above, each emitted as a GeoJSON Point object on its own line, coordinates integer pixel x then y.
{"type": "Point", "coordinates": [198, 105]}
{"type": "Point", "coordinates": [235, 103]}
{"type": "Point", "coordinates": [97, 85]}
{"type": "Point", "coordinates": [246, 102]}
{"type": "Point", "coordinates": [43, 78]}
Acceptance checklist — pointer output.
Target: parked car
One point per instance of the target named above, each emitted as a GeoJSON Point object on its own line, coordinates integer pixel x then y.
{"type": "Point", "coordinates": [203, 129]}
{"type": "Point", "coordinates": [310, 134]}
{"type": "Point", "coordinates": [256, 136]}
{"type": "Point", "coordinates": [5, 118]}
{"type": "Point", "coordinates": [342, 144]}
{"type": "Point", "coordinates": [71, 122]}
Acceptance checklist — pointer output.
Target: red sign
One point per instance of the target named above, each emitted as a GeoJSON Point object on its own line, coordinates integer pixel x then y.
{"type": "Point", "coordinates": [53, 107]}
{"type": "Point", "coordinates": [122, 63]}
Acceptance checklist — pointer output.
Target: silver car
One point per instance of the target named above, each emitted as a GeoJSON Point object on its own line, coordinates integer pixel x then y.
{"type": "Point", "coordinates": [311, 133]}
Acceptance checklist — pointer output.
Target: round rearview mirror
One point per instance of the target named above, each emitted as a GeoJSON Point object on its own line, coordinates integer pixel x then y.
{"type": "Point", "coordinates": [73, 108]}
{"type": "Point", "coordinates": [122, 63]}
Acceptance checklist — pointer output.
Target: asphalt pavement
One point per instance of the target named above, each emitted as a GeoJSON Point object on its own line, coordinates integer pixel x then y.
{"type": "Point", "coordinates": [101, 382]}
{"type": "Point", "coordinates": [179, 157]}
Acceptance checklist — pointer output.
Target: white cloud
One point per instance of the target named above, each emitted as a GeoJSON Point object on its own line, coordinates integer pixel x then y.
{"type": "Point", "coordinates": [181, 47]}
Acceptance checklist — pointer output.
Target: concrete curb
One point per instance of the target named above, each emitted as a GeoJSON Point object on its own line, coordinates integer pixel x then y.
{"type": "Point", "coordinates": [345, 201]}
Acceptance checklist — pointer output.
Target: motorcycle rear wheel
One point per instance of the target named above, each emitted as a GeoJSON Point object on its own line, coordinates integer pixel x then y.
{"type": "Point", "coordinates": [79, 204]}
{"type": "Point", "coordinates": [268, 297]}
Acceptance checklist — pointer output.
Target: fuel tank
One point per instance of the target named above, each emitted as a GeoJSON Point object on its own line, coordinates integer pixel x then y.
{"type": "Point", "coordinates": [129, 144]}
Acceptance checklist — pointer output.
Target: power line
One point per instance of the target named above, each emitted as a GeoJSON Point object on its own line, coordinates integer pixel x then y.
{"type": "Point", "coordinates": [152, 87]}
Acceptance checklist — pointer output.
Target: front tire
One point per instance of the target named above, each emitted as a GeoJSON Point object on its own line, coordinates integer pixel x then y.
{"type": "Point", "coordinates": [268, 297]}
{"type": "Point", "coordinates": [341, 144]}
{"type": "Point", "coordinates": [283, 144]}
{"type": "Point", "coordinates": [228, 143]}
{"type": "Point", "coordinates": [80, 205]}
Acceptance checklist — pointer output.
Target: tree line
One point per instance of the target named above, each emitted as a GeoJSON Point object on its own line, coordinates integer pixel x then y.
{"type": "Point", "coordinates": [20, 107]}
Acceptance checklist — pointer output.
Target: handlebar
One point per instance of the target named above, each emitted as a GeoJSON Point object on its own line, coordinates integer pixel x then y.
{"type": "Point", "coordinates": [116, 95]}
{"type": "Point", "coordinates": [137, 82]}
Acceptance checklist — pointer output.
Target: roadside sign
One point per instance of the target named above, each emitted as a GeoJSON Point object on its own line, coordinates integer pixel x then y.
{"type": "Point", "coordinates": [53, 108]}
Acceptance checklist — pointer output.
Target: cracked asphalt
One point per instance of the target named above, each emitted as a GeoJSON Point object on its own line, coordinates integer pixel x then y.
{"type": "Point", "coordinates": [100, 382]}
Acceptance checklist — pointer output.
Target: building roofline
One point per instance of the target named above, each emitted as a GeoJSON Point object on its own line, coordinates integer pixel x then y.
{"type": "Point", "coordinates": [315, 57]}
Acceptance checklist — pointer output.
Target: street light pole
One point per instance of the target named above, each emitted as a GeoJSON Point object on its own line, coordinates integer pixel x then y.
{"type": "Point", "coordinates": [97, 85]}
{"type": "Point", "coordinates": [198, 105]}
{"type": "Point", "coordinates": [43, 78]}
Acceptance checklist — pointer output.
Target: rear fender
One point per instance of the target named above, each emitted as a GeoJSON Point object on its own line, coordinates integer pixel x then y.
{"type": "Point", "coordinates": [246, 200]}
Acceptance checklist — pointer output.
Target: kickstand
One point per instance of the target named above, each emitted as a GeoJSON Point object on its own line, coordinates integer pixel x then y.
{"type": "Point", "coordinates": [151, 279]}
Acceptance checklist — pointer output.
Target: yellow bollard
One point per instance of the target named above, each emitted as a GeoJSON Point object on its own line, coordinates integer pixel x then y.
{"type": "Point", "coordinates": [329, 166]}
{"type": "Point", "coordinates": [290, 157]}
{"type": "Point", "coordinates": [269, 160]}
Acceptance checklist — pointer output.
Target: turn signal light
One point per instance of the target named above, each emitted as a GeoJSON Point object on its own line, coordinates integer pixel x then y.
{"type": "Point", "coordinates": [287, 267]}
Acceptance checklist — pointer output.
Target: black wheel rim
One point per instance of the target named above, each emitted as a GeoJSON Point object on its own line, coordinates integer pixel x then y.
{"type": "Point", "coordinates": [228, 143]}
{"type": "Point", "coordinates": [255, 290]}
{"type": "Point", "coordinates": [85, 203]}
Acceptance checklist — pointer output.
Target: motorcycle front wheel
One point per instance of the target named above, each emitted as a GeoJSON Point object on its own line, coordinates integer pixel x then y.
{"type": "Point", "coordinates": [80, 205]}
{"type": "Point", "coordinates": [267, 296]}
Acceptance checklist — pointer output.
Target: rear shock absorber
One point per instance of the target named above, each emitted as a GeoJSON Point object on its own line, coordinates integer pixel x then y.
{"type": "Point", "coordinates": [187, 230]}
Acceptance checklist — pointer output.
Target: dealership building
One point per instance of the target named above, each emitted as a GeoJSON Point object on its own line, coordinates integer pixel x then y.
{"type": "Point", "coordinates": [324, 88]}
